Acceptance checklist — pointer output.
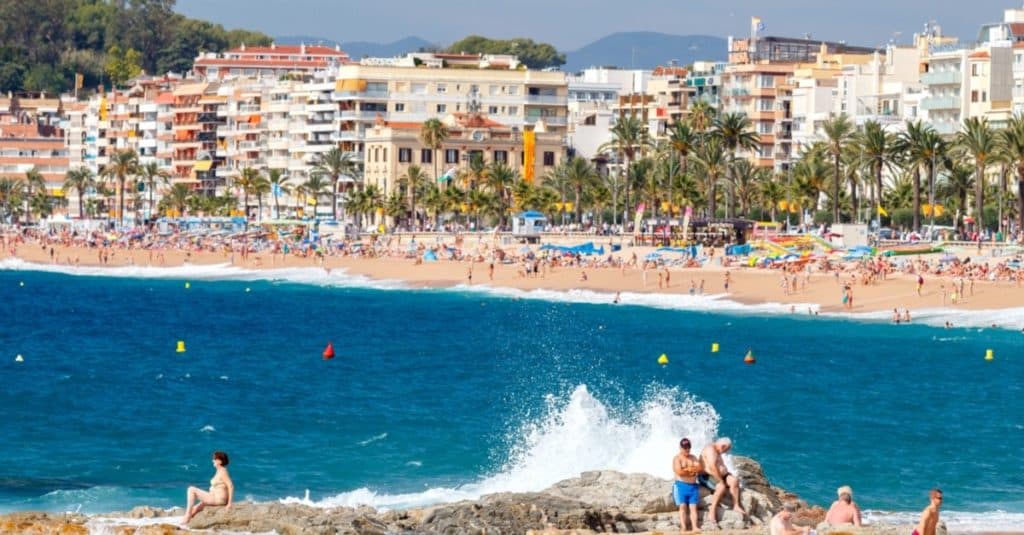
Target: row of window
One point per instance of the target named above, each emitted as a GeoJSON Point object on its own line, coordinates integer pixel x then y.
{"type": "Point", "coordinates": [451, 156]}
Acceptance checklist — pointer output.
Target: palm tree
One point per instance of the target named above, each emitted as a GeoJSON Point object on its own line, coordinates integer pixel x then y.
{"type": "Point", "coordinates": [500, 179]}
{"type": "Point", "coordinates": [150, 173]}
{"type": "Point", "coordinates": [878, 151]}
{"type": "Point", "coordinates": [34, 183]}
{"type": "Point", "coordinates": [958, 182]}
{"type": "Point", "coordinates": [474, 172]}
{"type": "Point", "coordinates": [684, 141]}
{"type": "Point", "coordinates": [414, 179]}
{"type": "Point", "coordinates": [177, 198]}
{"type": "Point", "coordinates": [1011, 145]}
{"type": "Point", "coordinates": [247, 182]}
{"type": "Point", "coordinates": [771, 193]}
{"type": "Point", "coordinates": [629, 137]}
{"type": "Point", "coordinates": [395, 207]}
{"type": "Point", "coordinates": [714, 161]}
{"type": "Point", "coordinates": [977, 140]}
{"type": "Point", "coordinates": [922, 145]}
{"type": "Point", "coordinates": [838, 131]}
{"type": "Point", "coordinates": [80, 180]}
{"type": "Point", "coordinates": [433, 134]}
{"type": "Point", "coordinates": [580, 175]}
{"type": "Point", "coordinates": [261, 187]}
{"type": "Point", "coordinates": [122, 164]}
{"type": "Point", "coordinates": [736, 132]}
{"type": "Point", "coordinates": [278, 186]}
{"type": "Point", "coordinates": [11, 191]}
{"type": "Point", "coordinates": [747, 179]}
{"type": "Point", "coordinates": [811, 175]}
{"type": "Point", "coordinates": [314, 187]}
{"type": "Point", "coordinates": [334, 164]}
{"type": "Point", "coordinates": [702, 116]}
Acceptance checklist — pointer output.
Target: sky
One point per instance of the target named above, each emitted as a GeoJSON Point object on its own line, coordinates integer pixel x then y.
{"type": "Point", "coordinates": [571, 24]}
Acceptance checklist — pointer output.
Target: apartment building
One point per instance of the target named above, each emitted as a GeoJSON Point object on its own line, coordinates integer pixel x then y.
{"type": "Point", "coordinates": [392, 146]}
{"type": "Point", "coordinates": [593, 95]}
{"type": "Point", "coordinates": [706, 80]}
{"type": "Point", "coordinates": [240, 136]}
{"type": "Point", "coordinates": [31, 137]}
{"type": "Point", "coordinates": [665, 101]}
{"type": "Point", "coordinates": [272, 61]}
{"type": "Point", "coordinates": [967, 82]}
{"type": "Point", "coordinates": [760, 81]}
{"type": "Point", "coordinates": [886, 89]}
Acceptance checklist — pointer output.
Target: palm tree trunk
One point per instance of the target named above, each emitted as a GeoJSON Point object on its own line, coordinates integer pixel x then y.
{"type": "Point", "coordinates": [853, 200]}
{"type": "Point", "coordinates": [1020, 200]}
{"type": "Point", "coordinates": [712, 201]}
{"type": "Point", "coordinates": [579, 213]}
{"type": "Point", "coordinates": [412, 201]}
{"type": "Point", "coordinates": [81, 204]}
{"type": "Point", "coordinates": [277, 206]}
{"type": "Point", "coordinates": [979, 199]}
{"type": "Point", "coordinates": [120, 210]}
{"type": "Point", "coordinates": [334, 198]}
{"type": "Point", "coordinates": [878, 195]}
{"type": "Point", "coordinates": [835, 191]}
{"type": "Point", "coordinates": [917, 198]}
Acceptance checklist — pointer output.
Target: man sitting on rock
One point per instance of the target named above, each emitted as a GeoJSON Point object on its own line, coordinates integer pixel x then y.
{"type": "Point", "coordinates": [685, 491]}
{"type": "Point", "coordinates": [844, 510]}
{"type": "Point", "coordinates": [782, 522]}
{"type": "Point", "coordinates": [714, 466]}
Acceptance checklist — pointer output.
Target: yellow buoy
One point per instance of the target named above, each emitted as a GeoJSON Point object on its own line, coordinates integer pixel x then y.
{"type": "Point", "coordinates": [187, 285]}
{"type": "Point", "coordinates": [663, 359]}
{"type": "Point", "coordinates": [19, 358]}
{"type": "Point", "coordinates": [749, 359]}
{"type": "Point", "coordinates": [181, 346]}
{"type": "Point", "coordinates": [714, 347]}
{"type": "Point", "coordinates": [989, 354]}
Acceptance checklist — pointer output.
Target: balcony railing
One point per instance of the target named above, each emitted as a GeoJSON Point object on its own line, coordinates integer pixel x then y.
{"type": "Point", "coordinates": [556, 100]}
{"type": "Point", "coordinates": [941, 78]}
{"type": "Point", "coordinates": [940, 103]}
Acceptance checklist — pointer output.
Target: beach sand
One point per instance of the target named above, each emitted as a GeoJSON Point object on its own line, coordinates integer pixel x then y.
{"type": "Point", "coordinates": [750, 286]}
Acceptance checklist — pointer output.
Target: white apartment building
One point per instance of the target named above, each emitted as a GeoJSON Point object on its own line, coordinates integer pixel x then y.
{"type": "Point", "coordinates": [886, 89]}
{"type": "Point", "coordinates": [593, 95]}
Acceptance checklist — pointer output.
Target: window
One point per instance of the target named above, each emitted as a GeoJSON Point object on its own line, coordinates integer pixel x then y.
{"type": "Point", "coordinates": [404, 155]}
{"type": "Point", "coordinates": [493, 110]}
{"type": "Point", "coordinates": [441, 108]}
{"type": "Point", "coordinates": [984, 96]}
{"type": "Point", "coordinates": [384, 158]}
{"type": "Point", "coordinates": [549, 158]}
{"type": "Point", "coordinates": [764, 127]}
{"type": "Point", "coordinates": [451, 156]}
{"type": "Point", "coordinates": [419, 89]}
{"type": "Point", "coordinates": [974, 69]}
{"type": "Point", "coordinates": [513, 90]}
{"type": "Point", "coordinates": [399, 106]}
{"type": "Point", "coordinates": [501, 156]}
{"type": "Point", "coordinates": [765, 104]}
{"type": "Point", "coordinates": [426, 156]}
{"type": "Point", "coordinates": [767, 81]}
{"type": "Point", "coordinates": [513, 110]}
{"type": "Point", "coordinates": [974, 96]}
{"type": "Point", "coordinates": [442, 88]}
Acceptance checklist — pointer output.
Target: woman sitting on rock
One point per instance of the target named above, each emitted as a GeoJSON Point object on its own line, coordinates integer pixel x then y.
{"type": "Point", "coordinates": [222, 490]}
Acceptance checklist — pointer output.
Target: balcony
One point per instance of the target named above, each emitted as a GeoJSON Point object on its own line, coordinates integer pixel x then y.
{"type": "Point", "coordinates": [946, 128]}
{"type": "Point", "coordinates": [940, 103]}
{"type": "Point", "coordinates": [552, 100]}
{"type": "Point", "coordinates": [358, 95]}
{"type": "Point", "coordinates": [739, 92]}
{"type": "Point", "coordinates": [941, 78]}
{"type": "Point", "coordinates": [550, 120]}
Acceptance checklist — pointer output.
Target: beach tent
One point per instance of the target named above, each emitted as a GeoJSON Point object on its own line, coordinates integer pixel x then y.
{"type": "Point", "coordinates": [430, 256]}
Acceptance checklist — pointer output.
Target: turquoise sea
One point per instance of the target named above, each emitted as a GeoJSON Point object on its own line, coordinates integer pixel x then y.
{"type": "Point", "coordinates": [447, 394]}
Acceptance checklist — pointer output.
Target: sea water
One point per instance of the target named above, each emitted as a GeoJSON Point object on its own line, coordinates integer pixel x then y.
{"type": "Point", "coordinates": [440, 395]}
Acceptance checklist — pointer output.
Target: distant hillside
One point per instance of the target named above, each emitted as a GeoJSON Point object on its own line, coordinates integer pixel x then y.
{"type": "Point", "coordinates": [646, 50]}
{"type": "Point", "coordinates": [360, 49]}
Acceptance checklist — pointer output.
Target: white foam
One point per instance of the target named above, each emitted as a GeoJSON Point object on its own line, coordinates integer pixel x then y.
{"type": "Point", "coordinates": [208, 429]}
{"type": "Point", "coordinates": [373, 439]}
{"type": "Point", "coordinates": [707, 302]}
{"type": "Point", "coordinates": [211, 272]}
{"type": "Point", "coordinates": [956, 521]}
{"type": "Point", "coordinates": [575, 434]}
{"type": "Point", "coordinates": [1004, 318]}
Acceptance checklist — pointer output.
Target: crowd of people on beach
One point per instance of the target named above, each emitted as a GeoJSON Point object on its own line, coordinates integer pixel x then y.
{"type": "Point", "coordinates": [710, 470]}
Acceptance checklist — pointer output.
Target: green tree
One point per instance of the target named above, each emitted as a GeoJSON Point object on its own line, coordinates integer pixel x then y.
{"type": "Point", "coordinates": [34, 184]}
{"type": "Point", "coordinates": [977, 140]}
{"type": "Point", "coordinates": [580, 175]}
{"type": "Point", "coordinates": [413, 181]}
{"type": "Point", "coordinates": [79, 179]}
{"type": "Point", "coordinates": [123, 164]}
{"type": "Point", "coordinates": [279, 186]}
{"type": "Point", "coordinates": [246, 181]}
{"type": "Point", "coordinates": [122, 65]}
{"type": "Point", "coordinates": [335, 164]}
{"type": "Point", "coordinates": [433, 134]}
{"type": "Point", "coordinates": [151, 174]}
{"type": "Point", "coordinates": [629, 139]}
{"type": "Point", "coordinates": [1011, 145]}
{"type": "Point", "coordinates": [11, 191]}
{"type": "Point", "coordinates": [500, 179]}
{"type": "Point", "coordinates": [838, 132]}
{"type": "Point", "coordinates": [878, 151]}
{"type": "Point", "coordinates": [532, 54]}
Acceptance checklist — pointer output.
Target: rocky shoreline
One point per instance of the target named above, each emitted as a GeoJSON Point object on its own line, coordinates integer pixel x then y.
{"type": "Point", "coordinates": [594, 502]}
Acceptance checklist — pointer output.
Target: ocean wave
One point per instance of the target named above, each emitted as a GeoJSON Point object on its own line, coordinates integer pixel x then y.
{"type": "Point", "coordinates": [956, 521]}
{"type": "Point", "coordinates": [373, 439]}
{"type": "Point", "coordinates": [211, 272]}
{"type": "Point", "coordinates": [575, 434]}
{"type": "Point", "coordinates": [1007, 318]}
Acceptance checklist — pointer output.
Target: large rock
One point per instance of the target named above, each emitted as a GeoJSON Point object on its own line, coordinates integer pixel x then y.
{"type": "Point", "coordinates": [634, 493]}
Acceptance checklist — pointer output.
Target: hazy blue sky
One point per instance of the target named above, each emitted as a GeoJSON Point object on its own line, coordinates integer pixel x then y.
{"type": "Point", "coordinates": [570, 24]}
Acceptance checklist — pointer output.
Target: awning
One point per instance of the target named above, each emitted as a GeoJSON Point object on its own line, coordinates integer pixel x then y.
{"type": "Point", "coordinates": [254, 119]}
{"type": "Point", "coordinates": [350, 85]}
{"type": "Point", "coordinates": [203, 165]}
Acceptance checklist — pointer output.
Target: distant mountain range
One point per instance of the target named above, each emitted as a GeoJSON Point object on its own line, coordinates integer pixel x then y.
{"type": "Point", "coordinates": [638, 50]}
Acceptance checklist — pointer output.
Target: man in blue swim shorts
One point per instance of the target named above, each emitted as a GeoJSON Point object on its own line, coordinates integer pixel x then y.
{"type": "Point", "coordinates": [685, 490]}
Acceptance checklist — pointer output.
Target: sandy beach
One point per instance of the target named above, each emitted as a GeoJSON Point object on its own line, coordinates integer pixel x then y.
{"type": "Point", "coordinates": [815, 291]}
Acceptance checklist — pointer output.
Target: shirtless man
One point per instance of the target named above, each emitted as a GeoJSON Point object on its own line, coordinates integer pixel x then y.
{"type": "Point", "coordinates": [930, 515]}
{"type": "Point", "coordinates": [844, 510]}
{"type": "Point", "coordinates": [714, 466]}
{"type": "Point", "coordinates": [782, 522]}
{"type": "Point", "coordinates": [685, 490]}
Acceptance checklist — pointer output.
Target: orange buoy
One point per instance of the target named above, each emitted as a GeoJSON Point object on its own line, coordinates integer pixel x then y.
{"type": "Point", "coordinates": [749, 359]}
{"type": "Point", "coordinates": [329, 351]}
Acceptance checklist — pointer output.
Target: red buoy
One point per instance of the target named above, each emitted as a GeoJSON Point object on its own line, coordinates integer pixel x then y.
{"type": "Point", "coordinates": [329, 351]}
